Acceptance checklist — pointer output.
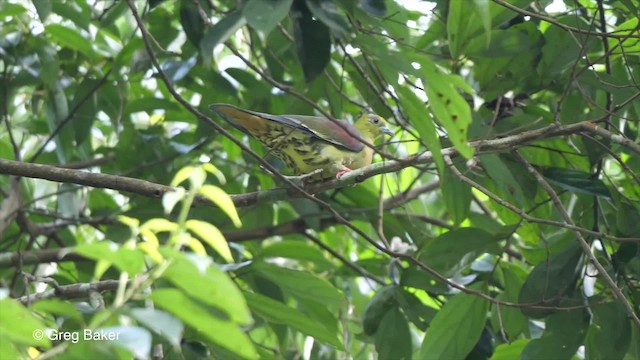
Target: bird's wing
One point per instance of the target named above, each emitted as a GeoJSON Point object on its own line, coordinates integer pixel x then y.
{"type": "Point", "coordinates": [256, 123]}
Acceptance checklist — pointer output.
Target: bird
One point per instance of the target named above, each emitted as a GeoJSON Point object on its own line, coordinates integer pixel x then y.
{"type": "Point", "coordinates": [309, 145]}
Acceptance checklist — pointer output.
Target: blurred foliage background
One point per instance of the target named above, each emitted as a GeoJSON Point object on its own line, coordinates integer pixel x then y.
{"type": "Point", "coordinates": [466, 250]}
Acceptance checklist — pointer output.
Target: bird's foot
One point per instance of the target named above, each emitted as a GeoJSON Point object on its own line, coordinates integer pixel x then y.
{"type": "Point", "coordinates": [341, 173]}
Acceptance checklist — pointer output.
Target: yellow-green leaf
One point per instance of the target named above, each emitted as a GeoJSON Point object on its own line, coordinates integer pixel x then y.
{"type": "Point", "coordinates": [212, 236]}
{"type": "Point", "coordinates": [212, 169]}
{"type": "Point", "coordinates": [223, 200]}
{"type": "Point", "coordinates": [182, 175]}
{"type": "Point", "coordinates": [159, 225]}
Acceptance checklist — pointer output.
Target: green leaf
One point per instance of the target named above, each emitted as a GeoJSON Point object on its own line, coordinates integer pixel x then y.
{"type": "Point", "coordinates": [56, 111]}
{"type": "Point", "coordinates": [418, 115]}
{"type": "Point", "coordinates": [628, 219]}
{"type": "Point", "coordinates": [503, 178]}
{"type": "Point", "coordinates": [509, 351]}
{"type": "Point", "coordinates": [70, 38]}
{"type": "Point", "coordinates": [457, 196]}
{"type": "Point", "coordinates": [628, 45]}
{"type": "Point", "coordinates": [58, 307]}
{"type": "Point", "coordinates": [510, 319]}
{"type": "Point", "coordinates": [457, 21]}
{"type": "Point", "coordinates": [319, 313]}
{"type": "Point", "coordinates": [264, 15]}
{"type": "Point", "coordinates": [481, 10]}
{"type": "Point", "coordinates": [609, 335]}
{"type": "Point", "coordinates": [374, 7]}
{"type": "Point", "coordinates": [393, 338]}
{"type": "Point", "coordinates": [301, 284]}
{"type": "Point", "coordinates": [634, 349]}
{"type": "Point", "coordinates": [212, 287]}
{"type": "Point", "coordinates": [449, 107]}
{"type": "Point", "coordinates": [296, 250]}
{"type": "Point", "coordinates": [212, 236]}
{"type": "Point", "coordinates": [578, 181]}
{"type": "Point", "coordinates": [308, 210]}
{"type": "Point", "coordinates": [149, 104]}
{"type": "Point", "coordinates": [48, 57]}
{"type": "Point", "coordinates": [279, 313]}
{"type": "Point", "coordinates": [551, 279]}
{"type": "Point", "coordinates": [327, 12]}
{"type": "Point", "coordinates": [564, 333]}
{"type": "Point", "coordinates": [313, 42]}
{"type": "Point", "coordinates": [77, 14]}
{"type": "Point", "coordinates": [221, 332]}
{"type": "Point", "coordinates": [161, 323]}
{"type": "Point", "coordinates": [504, 43]}
{"type": "Point", "coordinates": [248, 80]}
{"type": "Point", "coordinates": [219, 33]}
{"type": "Point", "coordinates": [191, 21]}
{"type": "Point", "coordinates": [7, 9]}
{"type": "Point", "coordinates": [456, 328]}
{"type": "Point", "coordinates": [448, 250]}
{"type": "Point", "coordinates": [8, 348]}
{"type": "Point", "coordinates": [382, 302]}
{"type": "Point", "coordinates": [417, 312]}
{"type": "Point", "coordinates": [43, 7]}
{"type": "Point", "coordinates": [560, 51]}
{"type": "Point", "coordinates": [462, 23]}
{"type": "Point", "coordinates": [86, 102]}
{"type": "Point", "coordinates": [19, 325]}
{"type": "Point", "coordinates": [127, 260]}
{"type": "Point", "coordinates": [154, 3]}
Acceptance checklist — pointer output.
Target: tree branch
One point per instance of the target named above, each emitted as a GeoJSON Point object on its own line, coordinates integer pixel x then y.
{"type": "Point", "coordinates": [149, 189]}
{"type": "Point", "coordinates": [34, 257]}
{"type": "Point", "coordinates": [73, 291]}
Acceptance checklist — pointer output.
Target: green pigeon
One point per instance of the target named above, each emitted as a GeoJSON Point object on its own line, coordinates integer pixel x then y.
{"type": "Point", "coordinates": [310, 144]}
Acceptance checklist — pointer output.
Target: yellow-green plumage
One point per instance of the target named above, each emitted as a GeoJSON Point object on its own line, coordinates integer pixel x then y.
{"type": "Point", "coordinates": [308, 143]}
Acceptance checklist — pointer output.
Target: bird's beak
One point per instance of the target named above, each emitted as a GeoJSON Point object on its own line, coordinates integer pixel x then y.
{"type": "Point", "coordinates": [386, 130]}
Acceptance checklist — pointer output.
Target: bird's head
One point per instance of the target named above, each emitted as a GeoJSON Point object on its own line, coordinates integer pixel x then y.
{"type": "Point", "coordinates": [372, 126]}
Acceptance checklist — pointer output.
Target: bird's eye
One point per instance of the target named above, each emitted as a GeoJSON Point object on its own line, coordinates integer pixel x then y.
{"type": "Point", "coordinates": [376, 121]}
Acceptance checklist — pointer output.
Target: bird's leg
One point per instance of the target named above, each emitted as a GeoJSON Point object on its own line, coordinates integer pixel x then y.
{"type": "Point", "coordinates": [343, 171]}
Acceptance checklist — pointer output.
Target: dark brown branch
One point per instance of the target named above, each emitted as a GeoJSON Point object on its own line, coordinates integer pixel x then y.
{"type": "Point", "coordinates": [73, 176]}
{"type": "Point", "coordinates": [74, 291]}
{"type": "Point", "coordinates": [14, 259]}
{"type": "Point", "coordinates": [149, 189]}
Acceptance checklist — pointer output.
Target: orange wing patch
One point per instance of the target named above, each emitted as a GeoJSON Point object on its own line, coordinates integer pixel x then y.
{"type": "Point", "coordinates": [255, 125]}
